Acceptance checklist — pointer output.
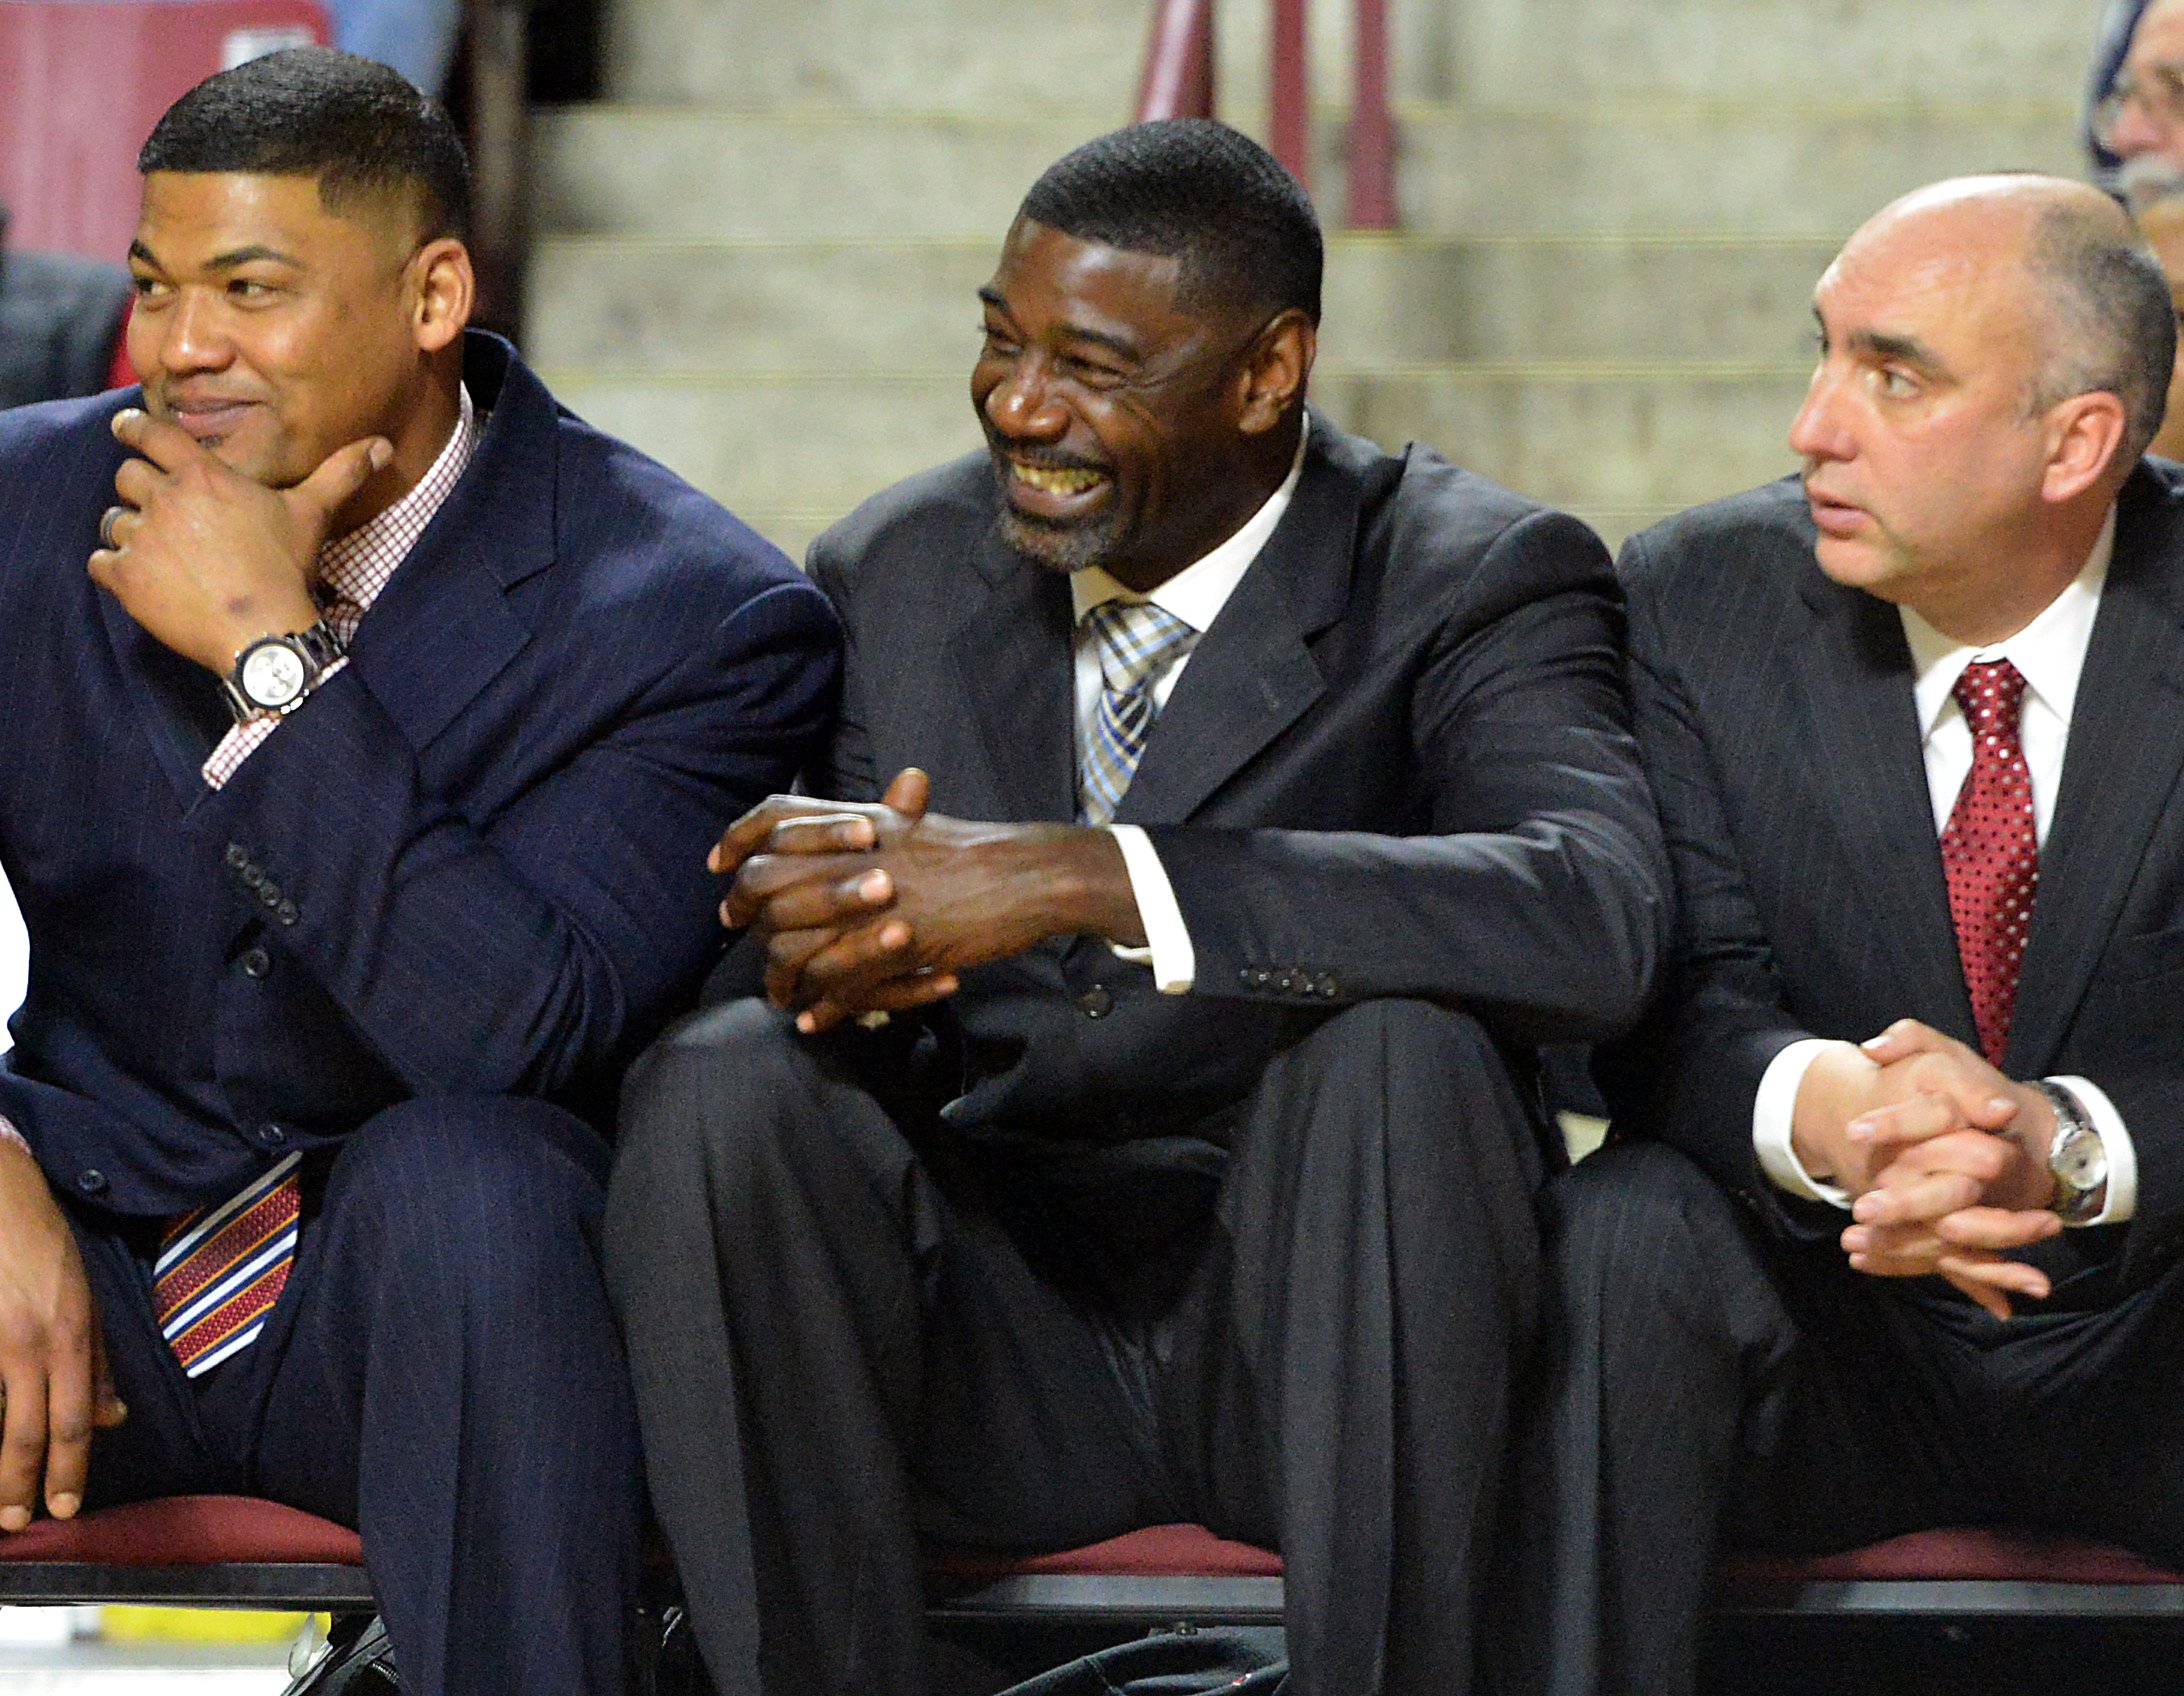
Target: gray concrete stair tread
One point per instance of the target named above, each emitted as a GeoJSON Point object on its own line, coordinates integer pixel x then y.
{"type": "Point", "coordinates": [966, 53]}
{"type": "Point", "coordinates": [962, 54]}
{"type": "Point", "coordinates": [1607, 436]}
{"type": "Point", "coordinates": [663, 303]}
{"type": "Point", "coordinates": [1670, 164]}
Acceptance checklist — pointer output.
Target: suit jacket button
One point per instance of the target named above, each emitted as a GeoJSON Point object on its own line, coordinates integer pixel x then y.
{"type": "Point", "coordinates": [1287, 983]}
{"type": "Point", "coordinates": [287, 912]}
{"type": "Point", "coordinates": [1097, 1002]}
{"type": "Point", "coordinates": [237, 855]}
{"type": "Point", "coordinates": [1251, 977]}
{"type": "Point", "coordinates": [1327, 987]}
{"type": "Point", "coordinates": [91, 1181]}
{"type": "Point", "coordinates": [269, 894]}
{"type": "Point", "coordinates": [252, 877]}
{"type": "Point", "coordinates": [256, 962]}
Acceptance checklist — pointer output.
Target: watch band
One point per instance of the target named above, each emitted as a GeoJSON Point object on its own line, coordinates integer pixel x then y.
{"type": "Point", "coordinates": [2075, 1203]}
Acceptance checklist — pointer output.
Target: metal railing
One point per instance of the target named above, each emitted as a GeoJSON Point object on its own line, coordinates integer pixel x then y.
{"type": "Point", "coordinates": [1178, 82]}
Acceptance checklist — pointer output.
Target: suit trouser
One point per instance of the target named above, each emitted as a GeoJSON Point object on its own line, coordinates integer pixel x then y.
{"type": "Point", "coordinates": [442, 1373]}
{"type": "Point", "coordinates": [850, 1333]}
{"type": "Point", "coordinates": [1700, 1374]}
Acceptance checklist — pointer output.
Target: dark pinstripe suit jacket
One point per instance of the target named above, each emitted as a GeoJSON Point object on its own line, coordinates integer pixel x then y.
{"type": "Point", "coordinates": [483, 842]}
{"type": "Point", "coordinates": [1396, 766]}
{"type": "Point", "coordinates": [1774, 710]}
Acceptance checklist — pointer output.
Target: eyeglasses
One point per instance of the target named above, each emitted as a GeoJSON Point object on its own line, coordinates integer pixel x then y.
{"type": "Point", "coordinates": [2159, 94]}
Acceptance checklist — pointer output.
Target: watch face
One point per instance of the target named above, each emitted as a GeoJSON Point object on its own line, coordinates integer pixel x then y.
{"type": "Point", "coordinates": [2082, 1161]}
{"type": "Point", "coordinates": [272, 675]}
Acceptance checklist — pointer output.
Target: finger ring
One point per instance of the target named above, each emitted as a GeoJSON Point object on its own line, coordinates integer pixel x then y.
{"type": "Point", "coordinates": [107, 520]}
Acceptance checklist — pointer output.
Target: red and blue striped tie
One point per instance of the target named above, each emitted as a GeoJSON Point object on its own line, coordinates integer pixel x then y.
{"type": "Point", "coordinates": [221, 1269]}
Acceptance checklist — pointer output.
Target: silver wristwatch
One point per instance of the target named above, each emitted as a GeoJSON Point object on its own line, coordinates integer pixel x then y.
{"type": "Point", "coordinates": [2077, 1158]}
{"type": "Point", "coordinates": [275, 674]}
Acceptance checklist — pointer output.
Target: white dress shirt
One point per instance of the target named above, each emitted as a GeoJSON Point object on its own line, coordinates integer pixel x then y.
{"type": "Point", "coordinates": [1196, 595]}
{"type": "Point", "coordinates": [2050, 654]}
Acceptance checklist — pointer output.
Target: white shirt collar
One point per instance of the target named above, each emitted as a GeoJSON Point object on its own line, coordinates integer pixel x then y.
{"type": "Point", "coordinates": [2049, 652]}
{"type": "Point", "coordinates": [1198, 592]}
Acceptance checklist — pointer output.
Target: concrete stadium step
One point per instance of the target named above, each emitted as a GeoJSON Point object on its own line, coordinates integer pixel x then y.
{"type": "Point", "coordinates": [1796, 50]}
{"type": "Point", "coordinates": [663, 304]}
{"type": "Point", "coordinates": [968, 55]}
{"type": "Point", "coordinates": [975, 54]}
{"type": "Point", "coordinates": [1764, 169]}
{"type": "Point", "coordinates": [1612, 438]}
{"type": "Point", "coordinates": [822, 172]}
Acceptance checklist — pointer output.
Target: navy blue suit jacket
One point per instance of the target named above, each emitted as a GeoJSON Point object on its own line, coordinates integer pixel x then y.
{"type": "Point", "coordinates": [473, 863]}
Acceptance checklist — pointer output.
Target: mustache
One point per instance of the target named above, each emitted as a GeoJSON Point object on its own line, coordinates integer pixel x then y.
{"type": "Point", "coordinates": [1044, 459]}
{"type": "Point", "coordinates": [2148, 179]}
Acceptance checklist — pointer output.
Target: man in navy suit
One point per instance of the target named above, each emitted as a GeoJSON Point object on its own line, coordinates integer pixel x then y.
{"type": "Point", "coordinates": [356, 797]}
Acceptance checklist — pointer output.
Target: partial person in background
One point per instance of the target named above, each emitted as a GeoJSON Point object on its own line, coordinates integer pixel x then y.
{"type": "Point", "coordinates": [2162, 224]}
{"type": "Point", "coordinates": [2134, 127]}
{"type": "Point", "coordinates": [416, 37]}
{"type": "Point", "coordinates": [60, 325]}
{"type": "Point", "coordinates": [1890, 1235]}
{"type": "Point", "coordinates": [368, 720]}
{"type": "Point", "coordinates": [1192, 1177]}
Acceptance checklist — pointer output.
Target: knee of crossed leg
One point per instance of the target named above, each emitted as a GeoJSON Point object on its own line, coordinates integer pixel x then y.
{"type": "Point", "coordinates": [497, 1195]}
{"type": "Point", "coordinates": [716, 1104]}
{"type": "Point", "coordinates": [1628, 1235]}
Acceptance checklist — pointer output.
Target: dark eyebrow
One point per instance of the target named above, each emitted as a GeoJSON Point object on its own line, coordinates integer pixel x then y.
{"type": "Point", "coordinates": [1878, 344]}
{"type": "Point", "coordinates": [256, 253]}
{"type": "Point", "coordinates": [1115, 345]}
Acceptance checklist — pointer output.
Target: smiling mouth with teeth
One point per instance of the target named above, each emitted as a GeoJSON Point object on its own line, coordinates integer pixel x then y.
{"type": "Point", "coordinates": [1055, 480]}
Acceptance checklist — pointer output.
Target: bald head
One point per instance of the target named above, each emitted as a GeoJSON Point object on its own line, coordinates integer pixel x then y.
{"type": "Point", "coordinates": [2097, 314]}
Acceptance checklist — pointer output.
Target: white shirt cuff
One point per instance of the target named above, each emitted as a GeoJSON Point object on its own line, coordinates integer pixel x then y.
{"type": "Point", "coordinates": [1774, 1110]}
{"type": "Point", "coordinates": [2108, 1125]}
{"type": "Point", "coordinates": [1167, 943]}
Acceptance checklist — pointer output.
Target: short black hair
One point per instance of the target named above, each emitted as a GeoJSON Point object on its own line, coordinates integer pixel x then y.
{"type": "Point", "coordinates": [2114, 313]}
{"type": "Point", "coordinates": [356, 126]}
{"type": "Point", "coordinates": [1193, 190]}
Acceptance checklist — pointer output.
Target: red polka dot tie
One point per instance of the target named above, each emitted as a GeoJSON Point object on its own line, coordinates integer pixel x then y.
{"type": "Point", "coordinates": [1989, 852]}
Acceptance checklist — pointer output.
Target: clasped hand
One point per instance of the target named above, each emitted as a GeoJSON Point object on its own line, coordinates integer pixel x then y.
{"type": "Point", "coordinates": [1954, 1169]}
{"type": "Point", "coordinates": [206, 560]}
{"type": "Point", "coordinates": [877, 907]}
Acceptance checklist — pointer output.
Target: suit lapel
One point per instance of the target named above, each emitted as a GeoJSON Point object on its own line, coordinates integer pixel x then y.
{"type": "Point", "coordinates": [1251, 675]}
{"type": "Point", "coordinates": [1012, 650]}
{"type": "Point", "coordinates": [443, 628]}
{"type": "Point", "coordinates": [178, 701]}
{"type": "Point", "coordinates": [1855, 675]}
{"type": "Point", "coordinates": [2120, 768]}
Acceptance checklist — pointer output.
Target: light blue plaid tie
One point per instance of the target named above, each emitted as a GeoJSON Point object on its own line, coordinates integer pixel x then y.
{"type": "Point", "coordinates": [1138, 641]}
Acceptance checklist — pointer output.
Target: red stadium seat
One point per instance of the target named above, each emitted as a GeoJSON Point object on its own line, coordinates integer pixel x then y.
{"type": "Point", "coordinates": [207, 1551]}
{"type": "Point", "coordinates": [1182, 1572]}
{"type": "Point", "coordinates": [1958, 1571]}
{"type": "Point", "coordinates": [85, 81]}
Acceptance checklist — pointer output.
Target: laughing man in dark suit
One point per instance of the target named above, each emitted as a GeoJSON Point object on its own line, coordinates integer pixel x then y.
{"type": "Point", "coordinates": [1197, 1184]}
{"type": "Point", "coordinates": [1890, 1239]}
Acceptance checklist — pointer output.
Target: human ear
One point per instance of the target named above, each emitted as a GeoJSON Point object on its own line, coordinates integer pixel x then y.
{"type": "Point", "coordinates": [2085, 434]}
{"type": "Point", "coordinates": [1276, 368]}
{"type": "Point", "coordinates": [446, 292]}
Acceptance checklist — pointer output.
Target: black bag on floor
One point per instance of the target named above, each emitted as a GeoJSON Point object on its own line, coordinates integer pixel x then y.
{"type": "Point", "coordinates": [1237, 1661]}
{"type": "Point", "coordinates": [358, 1661]}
